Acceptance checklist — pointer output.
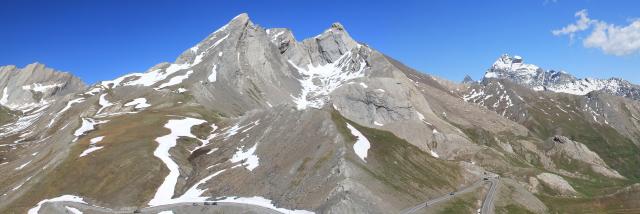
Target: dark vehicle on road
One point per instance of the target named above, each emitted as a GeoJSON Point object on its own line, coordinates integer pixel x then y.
{"type": "Point", "coordinates": [486, 179]}
{"type": "Point", "coordinates": [452, 193]}
{"type": "Point", "coordinates": [136, 211]}
{"type": "Point", "coordinates": [214, 203]}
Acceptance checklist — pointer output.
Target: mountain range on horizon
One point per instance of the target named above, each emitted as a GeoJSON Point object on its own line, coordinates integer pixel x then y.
{"type": "Point", "coordinates": [252, 120]}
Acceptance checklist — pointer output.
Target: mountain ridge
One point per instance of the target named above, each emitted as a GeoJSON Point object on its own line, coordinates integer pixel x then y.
{"type": "Point", "coordinates": [536, 78]}
{"type": "Point", "coordinates": [254, 117]}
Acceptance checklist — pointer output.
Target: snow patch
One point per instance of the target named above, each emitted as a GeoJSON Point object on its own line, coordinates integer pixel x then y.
{"type": "Point", "coordinates": [491, 75]}
{"type": "Point", "coordinates": [179, 128]}
{"type": "Point", "coordinates": [329, 77]}
{"type": "Point", "coordinates": [22, 123]}
{"type": "Point", "coordinates": [73, 210]}
{"type": "Point", "coordinates": [212, 77]}
{"type": "Point", "coordinates": [175, 80]}
{"type": "Point", "coordinates": [5, 97]}
{"type": "Point", "coordinates": [90, 150]}
{"type": "Point", "coordinates": [434, 154]}
{"type": "Point", "coordinates": [209, 138]}
{"type": "Point", "coordinates": [104, 103]}
{"type": "Point", "coordinates": [92, 146]}
{"type": "Point", "coordinates": [193, 193]}
{"type": "Point", "coordinates": [235, 128]}
{"type": "Point", "coordinates": [23, 165]}
{"type": "Point", "coordinates": [69, 198]}
{"type": "Point", "coordinates": [37, 87]}
{"type": "Point", "coordinates": [138, 103]}
{"type": "Point", "coordinates": [247, 158]}
{"type": "Point", "coordinates": [67, 107]}
{"type": "Point", "coordinates": [88, 125]}
{"type": "Point", "coordinates": [362, 145]}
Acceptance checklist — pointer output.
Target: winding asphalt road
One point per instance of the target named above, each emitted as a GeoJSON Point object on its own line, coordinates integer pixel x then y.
{"type": "Point", "coordinates": [487, 205]}
{"type": "Point", "coordinates": [60, 207]}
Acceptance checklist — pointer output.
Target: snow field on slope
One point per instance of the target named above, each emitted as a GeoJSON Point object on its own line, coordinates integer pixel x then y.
{"type": "Point", "coordinates": [179, 128]}
{"type": "Point", "coordinates": [104, 103]}
{"type": "Point", "coordinates": [92, 146]}
{"type": "Point", "coordinates": [63, 110]}
{"type": "Point", "coordinates": [175, 80]}
{"type": "Point", "coordinates": [329, 76]}
{"type": "Point", "coordinates": [138, 103]}
{"type": "Point", "coordinates": [70, 198]}
{"type": "Point", "coordinates": [362, 145]}
{"type": "Point", "coordinates": [88, 125]}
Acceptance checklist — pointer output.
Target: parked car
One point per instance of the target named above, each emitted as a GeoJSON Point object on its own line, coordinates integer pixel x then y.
{"type": "Point", "coordinates": [452, 193]}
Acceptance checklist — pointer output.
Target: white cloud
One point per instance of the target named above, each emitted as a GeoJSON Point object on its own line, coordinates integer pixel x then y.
{"type": "Point", "coordinates": [612, 39]}
{"type": "Point", "coordinates": [582, 24]}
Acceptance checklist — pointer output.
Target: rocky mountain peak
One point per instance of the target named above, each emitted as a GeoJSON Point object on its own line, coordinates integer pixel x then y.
{"type": "Point", "coordinates": [507, 65]}
{"type": "Point", "coordinates": [467, 79]}
{"type": "Point", "coordinates": [243, 17]}
{"type": "Point", "coordinates": [337, 26]}
{"type": "Point", "coordinates": [33, 85]}
{"type": "Point", "coordinates": [513, 68]}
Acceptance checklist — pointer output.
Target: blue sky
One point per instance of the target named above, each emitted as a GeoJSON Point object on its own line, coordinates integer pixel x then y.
{"type": "Point", "coordinates": [100, 40]}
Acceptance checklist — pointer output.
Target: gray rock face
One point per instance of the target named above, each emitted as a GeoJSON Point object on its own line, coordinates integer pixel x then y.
{"type": "Point", "coordinates": [557, 183]}
{"type": "Point", "coordinates": [33, 85]}
{"type": "Point", "coordinates": [563, 146]}
{"type": "Point", "coordinates": [468, 80]}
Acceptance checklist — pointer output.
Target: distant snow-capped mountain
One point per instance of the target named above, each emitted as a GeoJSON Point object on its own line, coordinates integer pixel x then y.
{"type": "Point", "coordinates": [513, 68]}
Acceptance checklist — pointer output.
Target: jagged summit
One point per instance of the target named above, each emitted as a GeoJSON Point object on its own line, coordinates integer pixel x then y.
{"type": "Point", "coordinates": [515, 69]}
{"type": "Point", "coordinates": [467, 79]}
{"type": "Point", "coordinates": [243, 17]}
{"type": "Point", "coordinates": [34, 85]}
{"type": "Point", "coordinates": [337, 26]}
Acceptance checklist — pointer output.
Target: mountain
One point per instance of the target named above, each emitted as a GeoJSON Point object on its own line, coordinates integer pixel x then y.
{"type": "Point", "coordinates": [515, 69]}
{"type": "Point", "coordinates": [256, 121]}
{"type": "Point", "coordinates": [28, 91]}
{"type": "Point", "coordinates": [468, 80]}
{"type": "Point", "coordinates": [34, 85]}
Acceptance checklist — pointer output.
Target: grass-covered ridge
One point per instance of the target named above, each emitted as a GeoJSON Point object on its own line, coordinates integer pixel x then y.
{"type": "Point", "coordinates": [616, 150]}
{"type": "Point", "coordinates": [125, 173]}
{"type": "Point", "coordinates": [6, 115]}
{"type": "Point", "coordinates": [625, 201]}
{"type": "Point", "coordinates": [398, 164]}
